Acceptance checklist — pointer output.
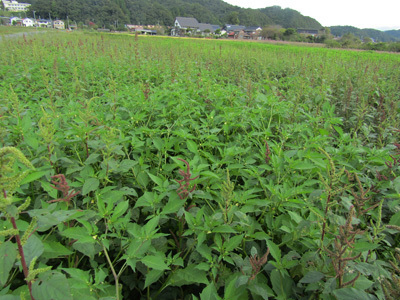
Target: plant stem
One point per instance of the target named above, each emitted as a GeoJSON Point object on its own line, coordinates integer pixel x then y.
{"type": "Point", "coordinates": [21, 251]}
{"type": "Point", "coordinates": [116, 277]}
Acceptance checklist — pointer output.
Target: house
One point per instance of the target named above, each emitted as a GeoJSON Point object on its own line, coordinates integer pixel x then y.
{"type": "Point", "coordinates": [205, 29]}
{"type": "Point", "coordinates": [28, 22]}
{"type": "Point", "coordinates": [233, 28]}
{"type": "Point", "coordinates": [146, 30]}
{"type": "Point", "coordinates": [184, 26]}
{"type": "Point", "coordinates": [15, 5]}
{"type": "Point", "coordinates": [233, 31]}
{"type": "Point", "coordinates": [44, 23]}
{"type": "Point", "coordinates": [252, 32]}
{"type": "Point", "coordinates": [58, 24]}
{"type": "Point", "coordinates": [312, 32]}
{"type": "Point", "coordinates": [15, 21]}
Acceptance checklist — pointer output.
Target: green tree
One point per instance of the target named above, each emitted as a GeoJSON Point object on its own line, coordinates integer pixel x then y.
{"type": "Point", "coordinates": [349, 40]}
{"type": "Point", "coordinates": [272, 32]}
{"type": "Point", "coordinates": [233, 18]}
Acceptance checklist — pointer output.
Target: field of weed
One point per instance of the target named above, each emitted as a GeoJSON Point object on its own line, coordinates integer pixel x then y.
{"type": "Point", "coordinates": [160, 168]}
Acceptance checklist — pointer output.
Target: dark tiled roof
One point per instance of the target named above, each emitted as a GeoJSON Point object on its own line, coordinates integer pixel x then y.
{"type": "Point", "coordinates": [203, 27]}
{"type": "Point", "coordinates": [251, 28]}
{"type": "Point", "coordinates": [230, 27]}
{"type": "Point", "coordinates": [187, 22]}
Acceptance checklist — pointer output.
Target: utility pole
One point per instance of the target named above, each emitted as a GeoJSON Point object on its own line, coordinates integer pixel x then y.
{"type": "Point", "coordinates": [34, 19]}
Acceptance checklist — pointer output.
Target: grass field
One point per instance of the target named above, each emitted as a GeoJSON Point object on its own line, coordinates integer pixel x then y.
{"type": "Point", "coordinates": [160, 168]}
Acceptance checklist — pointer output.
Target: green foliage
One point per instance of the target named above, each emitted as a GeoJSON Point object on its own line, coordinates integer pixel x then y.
{"type": "Point", "coordinates": [106, 13]}
{"type": "Point", "coordinates": [196, 169]}
{"type": "Point", "coordinates": [377, 35]}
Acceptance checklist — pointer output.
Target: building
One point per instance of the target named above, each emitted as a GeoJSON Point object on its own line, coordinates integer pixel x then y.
{"type": "Point", "coordinates": [58, 24]}
{"type": "Point", "coordinates": [15, 21]}
{"type": "Point", "coordinates": [28, 22]}
{"type": "Point", "coordinates": [44, 23]}
{"type": "Point", "coordinates": [146, 30]}
{"type": "Point", "coordinates": [190, 26]}
{"type": "Point", "coordinates": [15, 5]}
{"type": "Point", "coordinates": [312, 32]}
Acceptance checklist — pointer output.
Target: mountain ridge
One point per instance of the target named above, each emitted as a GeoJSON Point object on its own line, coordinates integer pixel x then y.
{"type": "Point", "coordinates": [106, 12]}
{"type": "Point", "coordinates": [375, 34]}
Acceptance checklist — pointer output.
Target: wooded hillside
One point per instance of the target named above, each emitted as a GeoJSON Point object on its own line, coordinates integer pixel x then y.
{"type": "Point", "coordinates": [119, 12]}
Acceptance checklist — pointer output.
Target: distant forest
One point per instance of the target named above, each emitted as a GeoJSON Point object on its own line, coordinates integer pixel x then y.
{"type": "Point", "coordinates": [376, 35]}
{"type": "Point", "coordinates": [163, 12]}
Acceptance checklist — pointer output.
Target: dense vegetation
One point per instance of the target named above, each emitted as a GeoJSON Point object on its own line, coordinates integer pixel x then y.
{"type": "Point", "coordinates": [161, 168]}
{"type": "Point", "coordinates": [377, 35]}
{"type": "Point", "coordinates": [106, 13]}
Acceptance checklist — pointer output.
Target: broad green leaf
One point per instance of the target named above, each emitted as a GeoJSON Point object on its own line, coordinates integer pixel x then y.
{"type": "Point", "coordinates": [395, 219]}
{"type": "Point", "coordinates": [260, 288]}
{"type": "Point", "coordinates": [80, 234]}
{"type": "Point", "coordinates": [31, 141]}
{"type": "Point", "coordinates": [143, 179]}
{"type": "Point", "coordinates": [93, 158]}
{"type": "Point", "coordinates": [33, 248]}
{"type": "Point", "coordinates": [205, 251]}
{"type": "Point", "coordinates": [209, 174]}
{"type": "Point", "coordinates": [274, 250]}
{"type": "Point", "coordinates": [152, 277]}
{"type": "Point", "coordinates": [48, 218]}
{"type": "Point", "coordinates": [10, 297]}
{"type": "Point", "coordinates": [53, 193]}
{"type": "Point", "coordinates": [192, 146]}
{"type": "Point", "coordinates": [155, 179]}
{"type": "Point", "coordinates": [158, 143]}
{"type": "Point", "coordinates": [352, 294]}
{"type": "Point", "coordinates": [137, 248]}
{"type": "Point", "coordinates": [33, 176]}
{"type": "Point", "coordinates": [241, 280]}
{"type": "Point", "coordinates": [54, 249]}
{"type": "Point", "coordinates": [89, 249]}
{"type": "Point", "coordinates": [155, 262]}
{"type": "Point", "coordinates": [364, 246]}
{"type": "Point", "coordinates": [78, 274]}
{"type": "Point", "coordinates": [295, 217]}
{"type": "Point", "coordinates": [8, 255]}
{"type": "Point", "coordinates": [278, 283]}
{"type": "Point", "coordinates": [90, 185]}
{"type": "Point", "coordinates": [119, 210]}
{"type": "Point", "coordinates": [151, 225]}
{"type": "Point", "coordinates": [232, 292]}
{"type": "Point", "coordinates": [209, 293]}
{"type": "Point", "coordinates": [187, 276]}
{"type": "Point", "coordinates": [302, 165]}
{"type": "Point", "coordinates": [173, 205]}
{"type": "Point", "coordinates": [54, 287]}
{"type": "Point", "coordinates": [224, 229]}
{"type": "Point", "coordinates": [312, 276]}
{"type": "Point", "coordinates": [233, 242]}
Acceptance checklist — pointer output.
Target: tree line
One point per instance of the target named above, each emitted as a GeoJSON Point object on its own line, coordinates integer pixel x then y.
{"type": "Point", "coordinates": [106, 13]}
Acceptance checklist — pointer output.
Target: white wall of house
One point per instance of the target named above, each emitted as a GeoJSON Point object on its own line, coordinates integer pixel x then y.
{"type": "Point", "coordinates": [58, 24]}
{"type": "Point", "coordinates": [28, 22]}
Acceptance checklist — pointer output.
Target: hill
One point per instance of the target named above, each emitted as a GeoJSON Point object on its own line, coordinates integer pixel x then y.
{"type": "Point", "coordinates": [394, 33]}
{"type": "Point", "coordinates": [163, 12]}
{"type": "Point", "coordinates": [376, 35]}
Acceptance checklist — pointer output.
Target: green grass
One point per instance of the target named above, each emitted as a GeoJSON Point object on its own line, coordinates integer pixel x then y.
{"type": "Point", "coordinates": [295, 149]}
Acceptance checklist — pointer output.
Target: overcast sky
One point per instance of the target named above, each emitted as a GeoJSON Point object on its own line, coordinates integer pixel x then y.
{"type": "Point", "coordinates": [383, 14]}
